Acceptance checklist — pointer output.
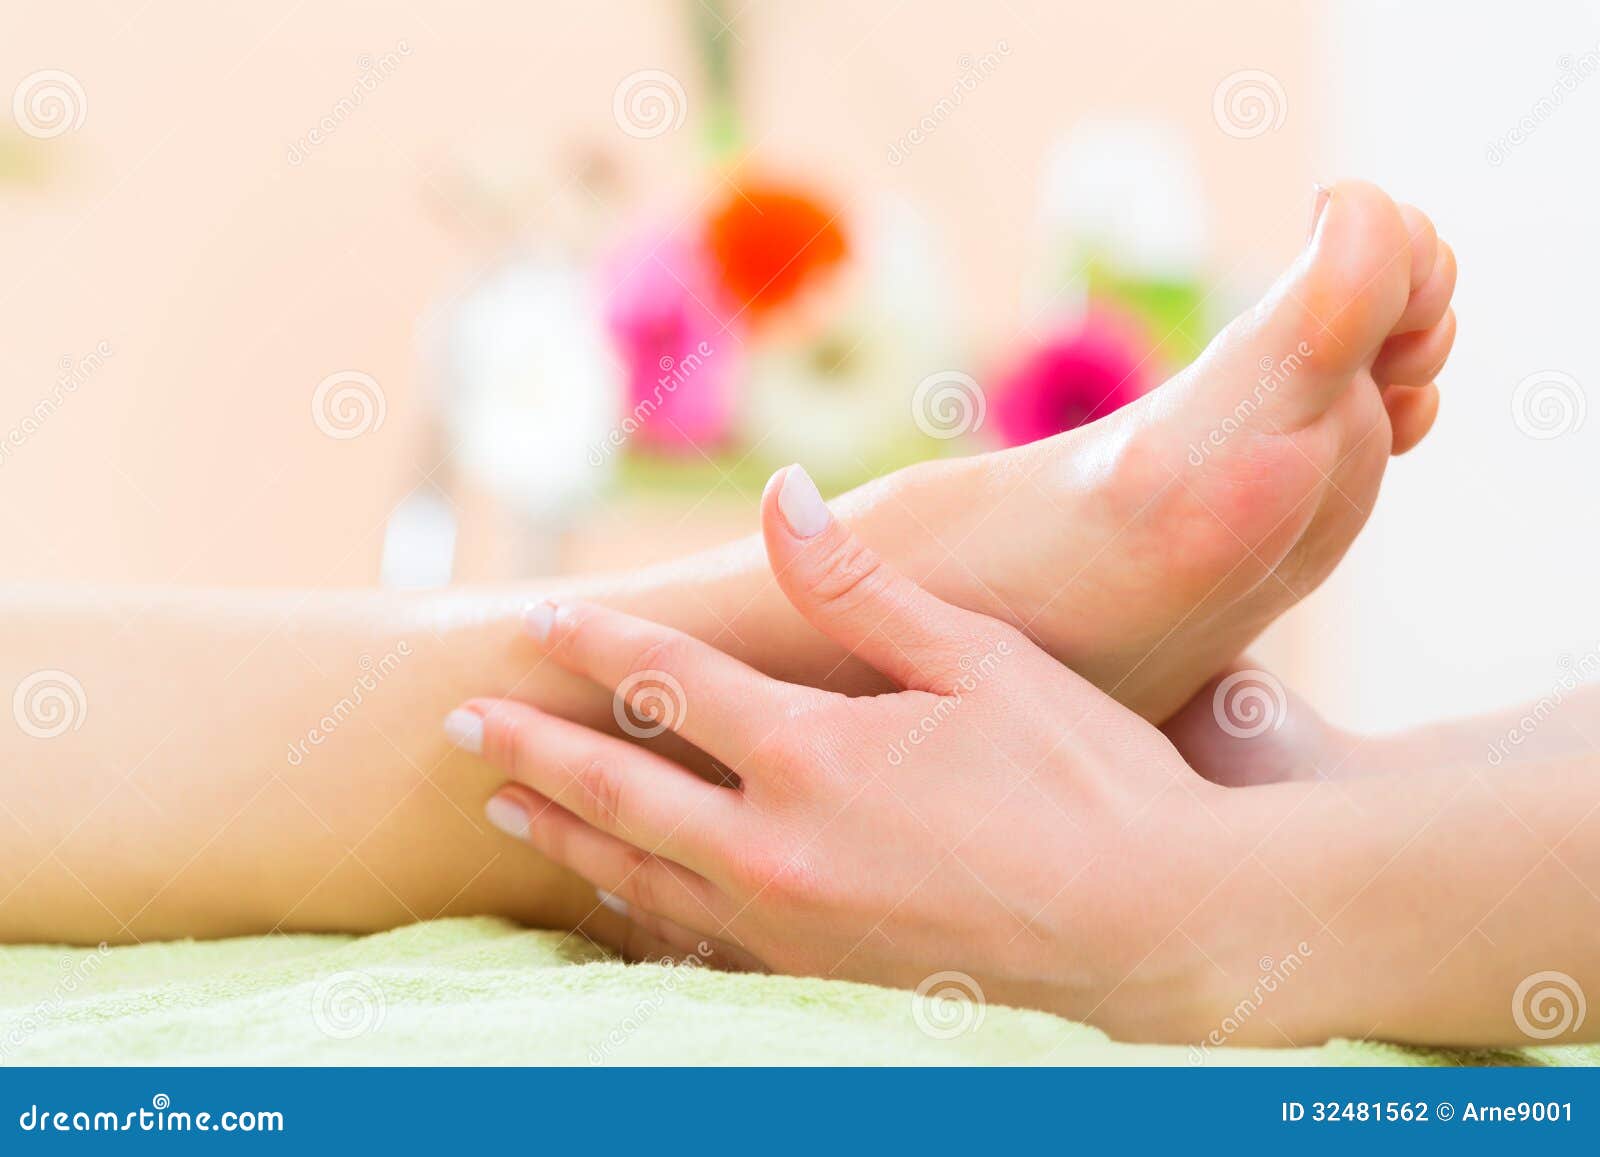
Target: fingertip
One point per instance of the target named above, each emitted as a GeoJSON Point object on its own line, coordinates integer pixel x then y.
{"type": "Point", "coordinates": [464, 728]}
{"type": "Point", "coordinates": [506, 812]}
{"type": "Point", "coordinates": [612, 902]}
{"type": "Point", "coordinates": [793, 517]}
{"type": "Point", "coordinates": [799, 503]}
{"type": "Point", "coordinates": [773, 529]}
{"type": "Point", "coordinates": [486, 727]}
{"type": "Point", "coordinates": [538, 620]}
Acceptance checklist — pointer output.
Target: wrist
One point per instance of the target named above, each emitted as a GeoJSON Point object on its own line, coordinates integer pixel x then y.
{"type": "Point", "coordinates": [1274, 974]}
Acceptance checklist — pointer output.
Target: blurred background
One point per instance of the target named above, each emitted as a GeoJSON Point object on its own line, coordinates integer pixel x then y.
{"type": "Point", "coordinates": [413, 293]}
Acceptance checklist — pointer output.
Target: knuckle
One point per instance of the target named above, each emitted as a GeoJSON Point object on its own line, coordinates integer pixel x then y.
{"type": "Point", "coordinates": [664, 653]}
{"type": "Point", "coordinates": [505, 740]}
{"type": "Point", "coordinates": [801, 740]}
{"type": "Point", "coordinates": [795, 884]}
{"type": "Point", "coordinates": [786, 879]}
{"type": "Point", "coordinates": [750, 868]}
{"type": "Point", "coordinates": [799, 716]}
{"type": "Point", "coordinates": [642, 885]}
{"type": "Point", "coordinates": [551, 837]}
{"type": "Point", "coordinates": [599, 792]}
{"type": "Point", "coordinates": [850, 576]}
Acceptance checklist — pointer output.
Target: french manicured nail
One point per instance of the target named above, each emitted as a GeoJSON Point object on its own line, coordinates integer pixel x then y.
{"type": "Point", "coordinates": [538, 619]}
{"type": "Point", "coordinates": [507, 815]}
{"type": "Point", "coordinates": [465, 729]}
{"type": "Point", "coordinates": [801, 504]}
{"type": "Point", "coordinates": [1320, 195]}
{"type": "Point", "coordinates": [614, 903]}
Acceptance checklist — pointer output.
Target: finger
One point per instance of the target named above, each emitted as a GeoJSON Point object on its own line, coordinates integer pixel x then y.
{"type": "Point", "coordinates": [608, 783]}
{"type": "Point", "coordinates": [1412, 410]}
{"type": "Point", "coordinates": [666, 680]}
{"type": "Point", "coordinates": [1413, 359]}
{"type": "Point", "coordinates": [628, 940]}
{"type": "Point", "coordinates": [639, 878]}
{"type": "Point", "coordinates": [688, 946]}
{"type": "Point", "coordinates": [1429, 300]}
{"type": "Point", "coordinates": [860, 602]}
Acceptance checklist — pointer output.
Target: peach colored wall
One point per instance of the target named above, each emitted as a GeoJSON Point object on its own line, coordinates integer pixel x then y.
{"type": "Point", "coordinates": [228, 282]}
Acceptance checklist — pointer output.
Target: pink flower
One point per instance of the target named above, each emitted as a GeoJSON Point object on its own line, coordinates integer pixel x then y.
{"type": "Point", "coordinates": [1072, 380]}
{"type": "Point", "coordinates": [665, 312]}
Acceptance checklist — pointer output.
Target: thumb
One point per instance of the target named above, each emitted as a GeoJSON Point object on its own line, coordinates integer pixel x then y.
{"type": "Point", "coordinates": [859, 601]}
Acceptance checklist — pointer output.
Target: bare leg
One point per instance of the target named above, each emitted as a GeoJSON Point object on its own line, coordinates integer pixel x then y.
{"type": "Point", "coordinates": [188, 763]}
{"type": "Point", "coordinates": [1146, 551]}
{"type": "Point", "coordinates": [1245, 728]}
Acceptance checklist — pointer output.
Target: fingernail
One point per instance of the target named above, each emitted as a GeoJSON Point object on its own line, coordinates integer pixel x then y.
{"type": "Point", "coordinates": [465, 729]}
{"type": "Point", "coordinates": [801, 504]}
{"type": "Point", "coordinates": [614, 903]}
{"type": "Point", "coordinates": [1320, 195]}
{"type": "Point", "coordinates": [507, 815]}
{"type": "Point", "coordinates": [538, 619]}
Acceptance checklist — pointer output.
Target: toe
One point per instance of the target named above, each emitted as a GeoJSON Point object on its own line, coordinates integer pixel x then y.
{"type": "Point", "coordinates": [1424, 243]}
{"type": "Point", "coordinates": [1354, 279]}
{"type": "Point", "coordinates": [1324, 319]}
{"type": "Point", "coordinates": [1412, 410]}
{"type": "Point", "coordinates": [1431, 298]}
{"type": "Point", "coordinates": [1414, 358]}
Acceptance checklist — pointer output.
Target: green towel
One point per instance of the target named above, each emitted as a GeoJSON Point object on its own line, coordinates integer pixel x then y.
{"type": "Point", "coordinates": [483, 991]}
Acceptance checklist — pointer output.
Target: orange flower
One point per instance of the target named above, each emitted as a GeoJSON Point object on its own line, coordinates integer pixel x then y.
{"type": "Point", "coordinates": [771, 244]}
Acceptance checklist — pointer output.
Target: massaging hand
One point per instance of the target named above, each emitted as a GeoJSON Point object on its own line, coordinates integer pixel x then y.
{"type": "Point", "coordinates": [999, 817]}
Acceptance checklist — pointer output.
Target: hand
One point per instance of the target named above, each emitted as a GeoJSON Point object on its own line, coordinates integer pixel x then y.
{"type": "Point", "coordinates": [999, 817]}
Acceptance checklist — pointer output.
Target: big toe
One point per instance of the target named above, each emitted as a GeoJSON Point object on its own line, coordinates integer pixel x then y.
{"type": "Point", "coordinates": [1291, 356]}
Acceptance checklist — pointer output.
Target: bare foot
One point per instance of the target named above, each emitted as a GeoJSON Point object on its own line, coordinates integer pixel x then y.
{"type": "Point", "coordinates": [1149, 549]}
